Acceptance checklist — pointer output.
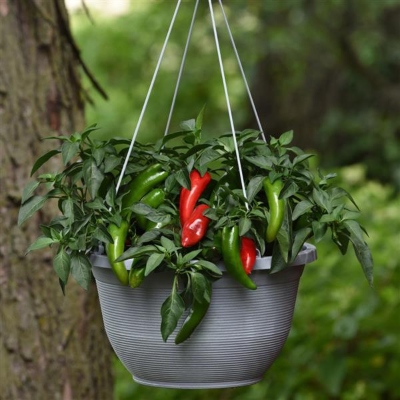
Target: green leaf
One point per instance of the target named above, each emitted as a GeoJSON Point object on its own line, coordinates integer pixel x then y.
{"type": "Point", "coordinates": [141, 209]}
{"type": "Point", "coordinates": [189, 125]}
{"type": "Point", "coordinates": [62, 265]}
{"type": "Point", "coordinates": [338, 193]}
{"type": "Point", "coordinates": [300, 237]}
{"type": "Point", "coordinates": [322, 199]}
{"type": "Point", "coordinates": [174, 135]}
{"type": "Point", "coordinates": [208, 156]}
{"type": "Point", "coordinates": [319, 230]}
{"type": "Point", "coordinates": [244, 226]}
{"type": "Point", "coordinates": [81, 223]}
{"type": "Point", "coordinates": [81, 269]}
{"type": "Point", "coordinates": [342, 241]}
{"type": "Point", "coordinates": [96, 204]}
{"type": "Point", "coordinates": [159, 217]}
{"type": "Point", "coordinates": [212, 214]}
{"type": "Point", "coordinates": [182, 177]}
{"type": "Point", "coordinates": [284, 236]}
{"type": "Point", "coordinates": [286, 138]}
{"type": "Point", "coordinates": [43, 159]}
{"type": "Point", "coordinates": [102, 235]}
{"type": "Point", "coordinates": [260, 161]}
{"type": "Point", "coordinates": [137, 251]}
{"type": "Point", "coordinates": [148, 236]}
{"type": "Point", "coordinates": [196, 149]}
{"type": "Point", "coordinates": [171, 311]}
{"type": "Point", "coordinates": [190, 256]}
{"type": "Point", "coordinates": [361, 249]}
{"type": "Point", "coordinates": [28, 190]}
{"type": "Point", "coordinates": [61, 137]}
{"type": "Point", "coordinates": [221, 222]}
{"type": "Point", "coordinates": [168, 244]}
{"type": "Point", "coordinates": [199, 285]}
{"type": "Point", "coordinates": [153, 262]}
{"type": "Point", "coordinates": [98, 155]}
{"type": "Point", "coordinates": [254, 186]}
{"type": "Point", "coordinates": [110, 196]}
{"type": "Point", "coordinates": [40, 243]}
{"type": "Point", "coordinates": [68, 151]}
{"type": "Point", "coordinates": [289, 189]}
{"type": "Point", "coordinates": [354, 229]}
{"type": "Point", "coordinates": [85, 133]}
{"type": "Point", "coordinates": [327, 218]}
{"type": "Point", "coordinates": [62, 285]}
{"type": "Point", "coordinates": [302, 208]}
{"type": "Point", "coordinates": [350, 215]}
{"type": "Point", "coordinates": [337, 211]}
{"type": "Point", "coordinates": [199, 119]}
{"type": "Point", "coordinates": [93, 176]}
{"type": "Point", "coordinates": [301, 158]}
{"type": "Point", "coordinates": [277, 261]}
{"type": "Point", "coordinates": [111, 162]}
{"type": "Point", "coordinates": [29, 208]}
{"type": "Point", "coordinates": [78, 243]}
{"type": "Point", "coordinates": [67, 207]}
{"type": "Point", "coordinates": [209, 266]}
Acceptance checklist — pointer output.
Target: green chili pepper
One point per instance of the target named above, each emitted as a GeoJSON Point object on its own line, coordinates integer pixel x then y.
{"type": "Point", "coordinates": [115, 250]}
{"type": "Point", "coordinates": [230, 246]}
{"type": "Point", "coordinates": [196, 315]}
{"type": "Point", "coordinates": [136, 276]}
{"type": "Point", "coordinates": [153, 199]}
{"type": "Point", "coordinates": [276, 207]}
{"type": "Point", "coordinates": [141, 185]}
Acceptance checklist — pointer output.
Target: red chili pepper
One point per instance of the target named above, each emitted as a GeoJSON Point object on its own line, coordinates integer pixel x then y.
{"type": "Point", "coordinates": [188, 198]}
{"type": "Point", "coordinates": [248, 254]}
{"type": "Point", "coordinates": [195, 227]}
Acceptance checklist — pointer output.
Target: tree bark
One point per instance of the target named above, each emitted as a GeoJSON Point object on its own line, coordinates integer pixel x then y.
{"type": "Point", "coordinates": [51, 346]}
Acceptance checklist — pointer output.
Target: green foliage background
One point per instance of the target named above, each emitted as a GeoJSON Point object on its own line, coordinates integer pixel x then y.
{"type": "Point", "coordinates": [330, 71]}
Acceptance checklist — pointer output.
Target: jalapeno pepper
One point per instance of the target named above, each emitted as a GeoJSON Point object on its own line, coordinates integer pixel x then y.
{"type": "Point", "coordinates": [188, 198]}
{"type": "Point", "coordinates": [136, 276]}
{"type": "Point", "coordinates": [115, 249]}
{"type": "Point", "coordinates": [195, 227]}
{"type": "Point", "coordinates": [153, 199]}
{"type": "Point", "coordinates": [230, 248]}
{"type": "Point", "coordinates": [192, 321]}
{"type": "Point", "coordinates": [141, 185]}
{"type": "Point", "coordinates": [196, 315]}
{"type": "Point", "coordinates": [276, 207]}
{"type": "Point", "coordinates": [248, 253]}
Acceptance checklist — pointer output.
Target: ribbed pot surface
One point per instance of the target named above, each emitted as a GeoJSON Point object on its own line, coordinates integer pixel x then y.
{"type": "Point", "coordinates": [238, 340]}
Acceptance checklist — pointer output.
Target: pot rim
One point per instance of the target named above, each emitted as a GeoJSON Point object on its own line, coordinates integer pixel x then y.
{"type": "Point", "coordinates": [307, 255]}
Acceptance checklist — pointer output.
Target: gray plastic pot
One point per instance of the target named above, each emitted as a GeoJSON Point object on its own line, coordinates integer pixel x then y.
{"type": "Point", "coordinates": [238, 340]}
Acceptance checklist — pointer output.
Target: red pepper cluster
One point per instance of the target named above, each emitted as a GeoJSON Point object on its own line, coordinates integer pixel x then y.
{"type": "Point", "coordinates": [194, 222]}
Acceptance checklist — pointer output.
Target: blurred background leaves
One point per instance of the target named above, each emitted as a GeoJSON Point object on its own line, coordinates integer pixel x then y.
{"type": "Point", "coordinates": [329, 70]}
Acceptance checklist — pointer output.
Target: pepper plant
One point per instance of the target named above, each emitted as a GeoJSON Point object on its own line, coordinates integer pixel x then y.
{"type": "Point", "coordinates": [184, 206]}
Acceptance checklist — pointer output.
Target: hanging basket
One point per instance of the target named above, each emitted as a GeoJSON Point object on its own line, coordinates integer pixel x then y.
{"type": "Point", "coordinates": [238, 340]}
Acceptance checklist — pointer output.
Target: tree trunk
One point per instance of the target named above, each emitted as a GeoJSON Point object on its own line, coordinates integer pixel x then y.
{"type": "Point", "coordinates": [52, 347]}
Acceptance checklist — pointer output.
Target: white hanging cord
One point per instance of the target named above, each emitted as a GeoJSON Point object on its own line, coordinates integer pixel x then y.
{"type": "Point", "coordinates": [243, 73]}
{"type": "Point", "coordinates": [227, 101]}
{"type": "Point", "coordinates": [148, 96]}
{"type": "Point", "coordinates": [181, 68]}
